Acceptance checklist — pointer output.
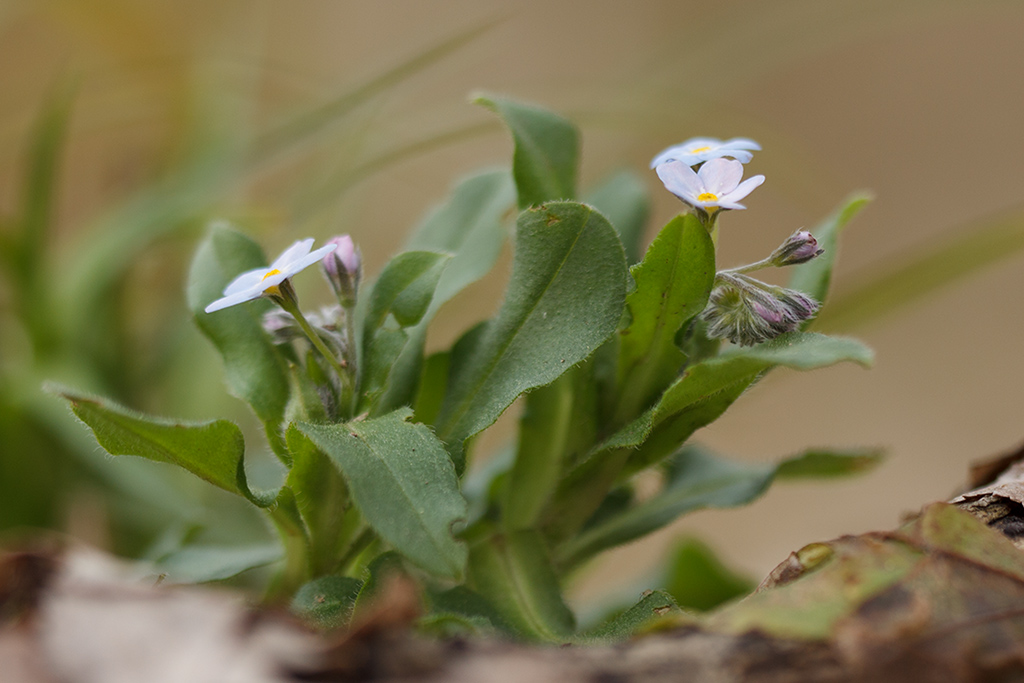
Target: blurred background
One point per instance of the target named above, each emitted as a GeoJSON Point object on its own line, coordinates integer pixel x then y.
{"type": "Point", "coordinates": [126, 125]}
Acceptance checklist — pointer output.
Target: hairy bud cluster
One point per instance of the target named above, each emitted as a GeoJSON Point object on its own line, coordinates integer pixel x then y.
{"type": "Point", "coordinates": [328, 323]}
{"type": "Point", "coordinates": [747, 311]}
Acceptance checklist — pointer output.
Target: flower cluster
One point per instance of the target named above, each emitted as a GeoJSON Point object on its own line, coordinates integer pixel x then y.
{"type": "Point", "coordinates": [330, 331]}
{"type": "Point", "coordinates": [716, 184]}
{"type": "Point", "coordinates": [707, 175]}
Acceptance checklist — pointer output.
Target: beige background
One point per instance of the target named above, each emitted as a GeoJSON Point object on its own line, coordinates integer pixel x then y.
{"type": "Point", "coordinates": [920, 102]}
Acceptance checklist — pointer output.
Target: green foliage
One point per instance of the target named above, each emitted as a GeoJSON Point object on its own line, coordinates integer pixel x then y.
{"type": "Point", "coordinates": [564, 299]}
{"type": "Point", "coordinates": [403, 482]}
{"type": "Point", "coordinates": [546, 155]}
{"type": "Point", "coordinates": [327, 602]}
{"type": "Point", "coordinates": [374, 436]}
{"type": "Point", "coordinates": [211, 450]}
{"type": "Point", "coordinates": [652, 607]}
{"type": "Point", "coordinates": [698, 580]}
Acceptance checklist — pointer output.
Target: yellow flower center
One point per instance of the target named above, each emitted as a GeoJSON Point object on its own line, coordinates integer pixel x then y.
{"type": "Point", "coordinates": [707, 197]}
{"type": "Point", "coordinates": [274, 271]}
{"type": "Point", "coordinates": [698, 150]}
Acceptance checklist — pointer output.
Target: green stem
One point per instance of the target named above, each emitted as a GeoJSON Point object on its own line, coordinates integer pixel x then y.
{"type": "Point", "coordinates": [751, 267]}
{"type": "Point", "coordinates": [290, 305]}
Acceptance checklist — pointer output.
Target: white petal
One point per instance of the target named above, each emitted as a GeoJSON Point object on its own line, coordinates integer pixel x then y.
{"type": "Point", "coordinates": [238, 298]}
{"type": "Point", "coordinates": [246, 280]}
{"type": "Point", "coordinates": [741, 143]}
{"type": "Point", "coordinates": [737, 154]}
{"type": "Point", "coordinates": [743, 189]}
{"type": "Point", "coordinates": [308, 259]}
{"type": "Point", "coordinates": [680, 180]}
{"type": "Point", "coordinates": [292, 253]}
{"type": "Point", "coordinates": [721, 176]}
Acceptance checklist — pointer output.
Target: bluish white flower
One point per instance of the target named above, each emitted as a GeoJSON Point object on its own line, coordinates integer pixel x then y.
{"type": "Point", "coordinates": [715, 186]}
{"type": "Point", "coordinates": [267, 281]}
{"type": "Point", "coordinates": [698, 150]}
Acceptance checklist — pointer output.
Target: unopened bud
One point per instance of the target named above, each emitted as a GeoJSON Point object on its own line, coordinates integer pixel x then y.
{"type": "Point", "coordinates": [747, 311]}
{"type": "Point", "coordinates": [799, 247]}
{"type": "Point", "coordinates": [281, 326]}
{"type": "Point", "coordinates": [343, 268]}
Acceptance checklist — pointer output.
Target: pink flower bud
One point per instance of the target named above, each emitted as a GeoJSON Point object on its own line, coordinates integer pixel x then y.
{"type": "Point", "coordinates": [799, 247]}
{"type": "Point", "coordinates": [343, 268]}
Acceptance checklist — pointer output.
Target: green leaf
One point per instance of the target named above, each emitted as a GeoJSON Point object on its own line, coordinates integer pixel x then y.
{"type": "Point", "coordinates": [327, 602]}
{"type": "Point", "coordinates": [472, 609]}
{"type": "Point", "coordinates": [698, 580]}
{"type": "Point", "coordinates": [199, 564]}
{"type": "Point", "coordinates": [405, 288]}
{"type": "Point", "coordinates": [403, 482]}
{"type": "Point", "coordinates": [256, 372]}
{"type": "Point", "coordinates": [403, 291]}
{"type": "Point", "coordinates": [470, 226]}
{"type": "Point", "coordinates": [384, 569]}
{"type": "Point", "coordinates": [322, 499]}
{"type": "Point", "coordinates": [546, 150]}
{"type": "Point", "coordinates": [213, 450]}
{"type": "Point", "coordinates": [819, 463]}
{"type": "Point", "coordinates": [815, 276]}
{"type": "Point", "coordinates": [564, 299]}
{"type": "Point", "coordinates": [697, 479]}
{"type": "Point", "coordinates": [545, 428]}
{"type": "Point", "coordinates": [672, 286]}
{"type": "Point", "coordinates": [623, 199]}
{"type": "Point", "coordinates": [738, 366]}
{"type": "Point", "coordinates": [653, 606]}
{"type": "Point", "coordinates": [513, 572]}
{"type": "Point", "coordinates": [909, 277]}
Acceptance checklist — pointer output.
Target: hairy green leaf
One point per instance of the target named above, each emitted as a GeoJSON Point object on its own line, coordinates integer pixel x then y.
{"type": "Point", "coordinates": [546, 150]}
{"type": "Point", "coordinates": [403, 483]}
{"type": "Point", "coordinates": [564, 299]}
{"type": "Point", "coordinates": [623, 199]}
{"type": "Point", "coordinates": [255, 370]}
{"type": "Point", "coordinates": [211, 450]}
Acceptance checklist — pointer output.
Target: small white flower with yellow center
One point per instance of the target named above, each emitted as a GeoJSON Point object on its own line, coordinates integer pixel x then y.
{"type": "Point", "coordinates": [260, 282]}
{"type": "Point", "coordinates": [715, 186]}
{"type": "Point", "coordinates": [698, 150]}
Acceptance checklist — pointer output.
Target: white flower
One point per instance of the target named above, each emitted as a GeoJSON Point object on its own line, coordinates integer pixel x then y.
{"type": "Point", "coordinates": [698, 150]}
{"type": "Point", "coordinates": [716, 185]}
{"type": "Point", "coordinates": [266, 281]}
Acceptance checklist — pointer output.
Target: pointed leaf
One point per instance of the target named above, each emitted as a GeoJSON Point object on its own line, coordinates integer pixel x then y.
{"type": "Point", "coordinates": [255, 370]}
{"type": "Point", "coordinates": [698, 580]}
{"type": "Point", "coordinates": [211, 450]}
{"type": "Point", "coordinates": [199, 564]}
{"type": "Point", "coordinates": [513, 572]}
{"type": "Point", "coordinates": [327, 602]}
{"type": "Point", "coordinates": [654, 605]}
{"type": "Point", "coordinates": [564, 299]}
{"type": "Point", "coordinates": [405, 288]}
{"type": "Point", "coordinates": [697, 479]}
{"type": "Point", "coordinates": [470, 226]}
{"type": "Point", "coordinates": [815, 276]}
{"type": "Point", "coordinates": [672, 286]}
{"type": "Point", "coordinates": [623, 199]}
{"type": "Point", "coordinates": [546, 151]}
{"type": "Point", "coordinates": [403, 482]}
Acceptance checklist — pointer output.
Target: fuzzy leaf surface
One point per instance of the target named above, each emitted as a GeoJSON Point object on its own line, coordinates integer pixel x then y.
{"type": "Point", "coordinates": [213, 450]}
{"type": "Point", "coordinates": [255, 371]}
{"type": "Point", "coordinates": [402, 480]}
{"type": "Point", "coordinates": [546, 151]}
{"type": "Point", "coordinates": [564, 299]}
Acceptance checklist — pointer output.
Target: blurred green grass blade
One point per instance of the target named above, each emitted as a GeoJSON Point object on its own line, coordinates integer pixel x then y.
{"type": "Point", "coordinates": [25, 254]}
{"type": "Point", "coordinates": [313, 121]}
{"type": "Point", "coordinates": [911, 277]}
